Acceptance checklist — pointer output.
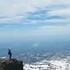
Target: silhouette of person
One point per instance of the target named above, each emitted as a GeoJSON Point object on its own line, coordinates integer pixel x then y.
{"type": "Point", "coordinates": [9, 53]}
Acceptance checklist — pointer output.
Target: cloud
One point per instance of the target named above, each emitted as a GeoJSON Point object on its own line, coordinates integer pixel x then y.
{"type": "Point", "coordinates": [35, 45]}
{"type": "Point", "coordinates": [60, 12]}
{"type": "Point", "coordinates": [38, 34]}
{"type": "Point", "coordinates": [34, 11]}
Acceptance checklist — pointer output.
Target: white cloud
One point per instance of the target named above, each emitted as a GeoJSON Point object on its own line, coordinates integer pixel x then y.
{"type": "Point", "coordinates": [35, 45]}
{"type": "Point", "coordinates": [16, 10]}
{"type": "Point", "coordinates": [60, 12]}
{"type": "Point", "coordinates": [42, 32]}
{"type": "Point", "coordinates": [52, 31]}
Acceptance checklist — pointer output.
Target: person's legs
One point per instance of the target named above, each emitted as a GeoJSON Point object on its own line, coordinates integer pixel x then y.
{"type": "Point", "coordinates": [10, 56]}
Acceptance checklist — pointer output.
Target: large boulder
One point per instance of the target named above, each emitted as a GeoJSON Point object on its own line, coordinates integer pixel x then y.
{"type": "Point", "coordinates": [12, 64]}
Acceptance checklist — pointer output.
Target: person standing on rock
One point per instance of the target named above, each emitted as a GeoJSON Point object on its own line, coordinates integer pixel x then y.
{"type": "Point", "coordinates": [9, 53]}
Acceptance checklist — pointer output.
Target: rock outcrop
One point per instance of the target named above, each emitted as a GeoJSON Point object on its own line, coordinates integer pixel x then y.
{"type": "Point", "coordinates": [12, 64]}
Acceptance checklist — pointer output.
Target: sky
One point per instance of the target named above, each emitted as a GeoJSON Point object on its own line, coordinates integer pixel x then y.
{"type": "Point", "coordinates": [34, 19]}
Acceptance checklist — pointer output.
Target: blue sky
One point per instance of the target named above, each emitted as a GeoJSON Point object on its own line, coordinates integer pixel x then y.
{"type": "Point", "coordinates": [26, 19]}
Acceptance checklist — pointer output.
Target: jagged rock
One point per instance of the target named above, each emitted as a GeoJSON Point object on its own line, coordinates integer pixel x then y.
{"type": "Point", "coordinates": [12, 64]}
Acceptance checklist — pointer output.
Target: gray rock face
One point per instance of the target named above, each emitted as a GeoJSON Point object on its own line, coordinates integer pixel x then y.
{"type": "Point", "coordinates": [12, 64]}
